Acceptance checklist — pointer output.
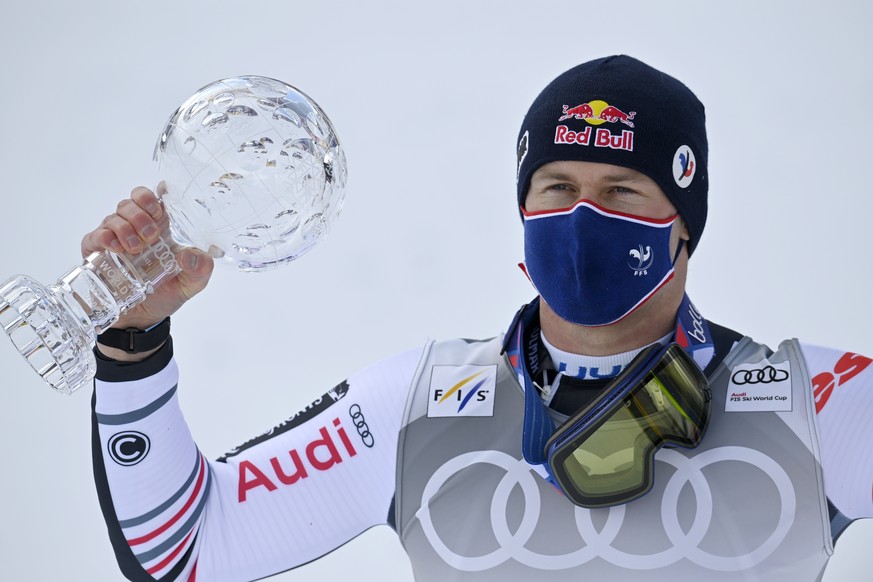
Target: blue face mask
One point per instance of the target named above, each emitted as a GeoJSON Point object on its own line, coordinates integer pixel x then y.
{"type": "Point", "coordinates": [593, 266]}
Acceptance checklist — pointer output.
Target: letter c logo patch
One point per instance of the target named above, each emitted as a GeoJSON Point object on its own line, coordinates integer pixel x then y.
{"type": "Point", "coordinates": [128, 448]}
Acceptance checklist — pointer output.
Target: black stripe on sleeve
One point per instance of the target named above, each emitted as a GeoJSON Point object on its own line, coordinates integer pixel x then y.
{"type": "Point", "coordinates": [125, 557]}
{"type": "Point", "coordinates": [839, 522]}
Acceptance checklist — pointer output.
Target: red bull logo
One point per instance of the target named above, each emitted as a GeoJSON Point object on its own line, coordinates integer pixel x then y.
{"type": "Point", "coordinates": [594, 113]}
{"type": "Point", "coordinates": [603, 138]}
{"type": "Point", "coordinates": [583, 111]}
{"type": "Point", "coordinates": [598, 112]}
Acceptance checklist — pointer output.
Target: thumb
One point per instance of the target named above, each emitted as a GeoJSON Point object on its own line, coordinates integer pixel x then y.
{"type": "Point", "coordinates": [197, 268]}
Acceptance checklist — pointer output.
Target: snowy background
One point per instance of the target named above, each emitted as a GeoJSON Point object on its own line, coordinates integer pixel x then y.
{"type": "Point", "coordinates": [427, 98]}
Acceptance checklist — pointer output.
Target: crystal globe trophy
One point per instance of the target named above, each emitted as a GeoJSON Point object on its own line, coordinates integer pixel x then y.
{"type": "Point", "coordinates": [251, 171]}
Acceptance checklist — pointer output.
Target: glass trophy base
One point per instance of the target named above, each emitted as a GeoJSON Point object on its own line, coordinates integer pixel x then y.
{"type": "Point", "coordinates": [48, 332]}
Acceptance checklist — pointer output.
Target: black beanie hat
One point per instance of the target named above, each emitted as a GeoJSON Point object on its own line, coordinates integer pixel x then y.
{"type": "Point", "coordinates": [618, 110]}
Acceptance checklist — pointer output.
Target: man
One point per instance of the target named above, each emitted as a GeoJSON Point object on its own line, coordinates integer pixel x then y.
{"type": "Point", "coordinates": [612, 432]}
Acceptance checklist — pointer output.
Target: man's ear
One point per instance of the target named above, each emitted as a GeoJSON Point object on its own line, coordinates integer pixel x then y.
{"type": "Point", "coordinates": [683, 231]}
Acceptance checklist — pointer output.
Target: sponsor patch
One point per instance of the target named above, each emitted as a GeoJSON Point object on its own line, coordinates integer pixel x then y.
{"type": "Point", "coordinates": [597, 112]}
{"type": "Point", "coordinates": [462, 391]}
{"type": "Point", "coordinates": [847, 367]}
{"type": "Point", "coordinates": [761, 387]}
{"type": "Point", "coordinates": [684, 166]}
{"type": "Point", "coordinates": [593, 113]}
{"type": "Point", "coordinates": [128, 448]}
{"type": "Point", "coordinates": [317, 407]}
{"type": "Point", "coordinates": [357, 416]}
{"type": "Point", "coordinates": [331, 447]}
{"type": "Point", "coordinates": [522, 152]}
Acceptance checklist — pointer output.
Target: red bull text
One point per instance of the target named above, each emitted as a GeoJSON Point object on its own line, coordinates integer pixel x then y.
{"type": "Point", "coordinates": [603, 138]}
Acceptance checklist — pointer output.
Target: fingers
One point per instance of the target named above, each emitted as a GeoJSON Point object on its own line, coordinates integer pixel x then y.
{"type": "Point", "coordinates": [133, 225]}
{"type": "Point", "coordinates": [190, 259]}
{"type": "Point", "coordinates": [137, 222]}
{"type": "Point", "coordinates": [147, 200]}
{"type": "Point", "coordinates": [99, 240]}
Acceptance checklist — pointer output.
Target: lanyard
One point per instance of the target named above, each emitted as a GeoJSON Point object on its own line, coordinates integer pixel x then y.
{"type": "Point", "coordinates": [525, 352]}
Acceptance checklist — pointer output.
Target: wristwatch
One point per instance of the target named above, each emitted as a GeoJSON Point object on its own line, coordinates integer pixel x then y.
{"type": "Point", "coordinates": [136, 341]}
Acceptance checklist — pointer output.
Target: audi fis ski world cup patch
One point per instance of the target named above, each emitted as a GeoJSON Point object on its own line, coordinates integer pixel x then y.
{"type": "Point", "coordinates": [761, 387]}
{"type": "Point", "coordinates": [462, 391]}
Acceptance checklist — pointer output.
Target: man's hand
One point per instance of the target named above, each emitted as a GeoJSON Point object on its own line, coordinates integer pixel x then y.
{"type": "Point", "coordinates": [137, 223]}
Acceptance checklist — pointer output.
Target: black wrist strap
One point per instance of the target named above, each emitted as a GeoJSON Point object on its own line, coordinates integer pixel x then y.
{"type": "Point", "coordinates": [136, 341]}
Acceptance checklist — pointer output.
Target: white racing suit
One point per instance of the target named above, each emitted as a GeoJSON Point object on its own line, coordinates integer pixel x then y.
{"type": "Point", "coordinates": [429, 442]}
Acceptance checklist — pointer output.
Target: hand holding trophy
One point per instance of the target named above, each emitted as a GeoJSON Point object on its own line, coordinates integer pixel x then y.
{"type": "Point", "coordinates": [252, 172]}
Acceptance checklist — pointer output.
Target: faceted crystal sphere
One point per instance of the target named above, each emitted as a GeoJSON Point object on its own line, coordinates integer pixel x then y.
{"type": "Point", "coordinates": [252, 172]}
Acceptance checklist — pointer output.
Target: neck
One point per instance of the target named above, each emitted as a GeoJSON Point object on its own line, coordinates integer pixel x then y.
{"type": "Point", "coordinates": [650, 322]}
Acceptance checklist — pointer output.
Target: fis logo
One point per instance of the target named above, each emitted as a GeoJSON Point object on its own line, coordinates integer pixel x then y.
{"type": "Point", "coordinates": [462, 391]}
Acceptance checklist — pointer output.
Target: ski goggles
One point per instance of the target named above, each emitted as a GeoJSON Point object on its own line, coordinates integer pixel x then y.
{"type": "Point", "coordinates": [604, 454]}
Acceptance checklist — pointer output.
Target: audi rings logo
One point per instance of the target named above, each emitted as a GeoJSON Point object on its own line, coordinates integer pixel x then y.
{"type": "Point", "coordinates": [598, 543]}
{"type": "Point", "coordinates": [765, 375]}
{"type": "Point", "coordinates": [361, 425]}
{"type": "Point", "coordinates": [129, 447]}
